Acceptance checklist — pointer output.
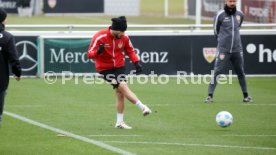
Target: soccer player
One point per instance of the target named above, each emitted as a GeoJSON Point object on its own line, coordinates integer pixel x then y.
{"type": "Point", "coordinates": [227, 25]}
{"type": "Point", "coordinates": [107, 49]}
{"type": "Point", "coordinates": [8, 55]}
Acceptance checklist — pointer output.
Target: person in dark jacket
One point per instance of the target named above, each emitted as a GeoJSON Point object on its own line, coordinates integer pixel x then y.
{"type": "Point", "coordinates": [8, 56]}
{"type": "Point", "coordinates": [227, 25]}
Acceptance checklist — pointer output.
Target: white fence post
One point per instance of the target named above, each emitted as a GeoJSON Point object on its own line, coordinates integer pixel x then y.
{"type": "Point", "coordinates": [239, 4]}
{"type": "Point", "coordinates": [166, 8]}
{"type": "Point", "coordinates": [198, 12]}
{"type": "Point", "coordinates": [185, 6]}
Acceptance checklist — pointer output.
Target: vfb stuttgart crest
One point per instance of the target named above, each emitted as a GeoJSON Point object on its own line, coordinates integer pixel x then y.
{"type": "Point", "coordinates": [52, 3]}
{"type": "Point", "coordinates": [120, 44]}
{"type": "Point", "coordinates": [209, 54]}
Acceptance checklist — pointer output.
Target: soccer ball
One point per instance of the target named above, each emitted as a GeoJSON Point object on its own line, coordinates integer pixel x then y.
{"type": "Point", "coordinates": [224, 119]}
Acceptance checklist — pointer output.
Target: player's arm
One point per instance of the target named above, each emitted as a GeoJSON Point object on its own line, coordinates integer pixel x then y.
{"type": "Point", "coordinates": [13, 58]}
{"type": "Point", "coordinates": [130, 52]}
{"type": "Point", "coordinates": [216, 25]}
{"type": "Point", "coordinates": [242, 17]}
{"type": "Point", "coordinates": [96, 47]}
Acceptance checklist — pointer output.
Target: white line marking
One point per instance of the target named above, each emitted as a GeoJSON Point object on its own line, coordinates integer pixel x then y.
{"type": "Point", "coordinates": [163, 105]}
{"type": "Point", "coordinates": [171, 105]}
{"type": "Point", "coordinates": [249, 104]}
{"type": "Point", "coordinates": [69, 134]}
{"type": "Point", "coordinates": [24, 106]}
{"type": "Point", "coordinates": [196, 145]}
{"type": "Point", "coordinates": [250, 135]}
{"type": "Point", "coordinates": [114, 135]}
{"type": "Point", "coordinates": [156, 105]}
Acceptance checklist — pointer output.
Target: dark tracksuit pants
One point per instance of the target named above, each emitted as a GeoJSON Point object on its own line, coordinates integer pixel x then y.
{"type": "Point", "coordinates": [222, 59]}
{"type": "Point", "coordinates": [2, 98]}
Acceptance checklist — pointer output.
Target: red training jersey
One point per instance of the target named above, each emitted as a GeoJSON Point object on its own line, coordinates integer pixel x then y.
{"type": "Point", "coordinates": [114, 50]}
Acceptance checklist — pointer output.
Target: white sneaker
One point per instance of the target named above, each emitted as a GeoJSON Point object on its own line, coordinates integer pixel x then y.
{"type": "Point", "coordinates": [146, 110]}
{"type": "Point", "coordinates": [122, 125]}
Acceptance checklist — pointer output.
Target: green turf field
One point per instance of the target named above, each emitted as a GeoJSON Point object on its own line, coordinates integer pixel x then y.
{"type": "Point", "coordinates": [180, 124]}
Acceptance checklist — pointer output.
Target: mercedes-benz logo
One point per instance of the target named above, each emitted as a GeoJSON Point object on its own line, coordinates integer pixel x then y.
{"type": "Point", "coordinates": [28, 55]}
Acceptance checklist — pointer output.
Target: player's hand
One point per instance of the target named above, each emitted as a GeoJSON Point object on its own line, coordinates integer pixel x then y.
{"type": "Point", "coordinates": [138, 67]}
{"type": "Point", "coordinates": [17, 78]}
{"type": "Point", "coordinates": [100, 49]}
{"type": "Point", "coordinates": [16, 71]}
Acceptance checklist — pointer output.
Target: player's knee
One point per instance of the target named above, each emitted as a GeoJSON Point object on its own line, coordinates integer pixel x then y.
{"type": "Point", "coordinates": [123, 87]}
{"type": "Point", "coordinates": [216, 71]}
{"type": "Point", "coordinates": [123, 84]}
{"type": "Point", "coordinates": [241, 75]}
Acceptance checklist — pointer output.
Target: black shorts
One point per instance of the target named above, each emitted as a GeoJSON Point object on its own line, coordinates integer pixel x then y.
{"type": "Point", "coordinates": [117, 75]}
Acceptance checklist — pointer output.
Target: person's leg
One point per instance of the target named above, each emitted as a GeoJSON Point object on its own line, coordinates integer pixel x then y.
{"type": "Point", "coordinates": [120, 102]}
{"type": "Point", "coordinates": [130, 95]}
{"type": "Point", "coordinates": [238, 63]}
{"type": "Point", "coordinates": [124, 89]}
{"type": "Point", "coordinates": [2, 99]}
{"type": "Point", "coordinates": [220, 64]}
{"type": "Point", "coordinates": [120, 105]}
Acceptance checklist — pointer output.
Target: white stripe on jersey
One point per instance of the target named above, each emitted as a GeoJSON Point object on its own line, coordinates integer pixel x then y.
{"type": "Point", "coordinates": [129, 42]}
{"type": "Point", "coordinates": [216, 22]}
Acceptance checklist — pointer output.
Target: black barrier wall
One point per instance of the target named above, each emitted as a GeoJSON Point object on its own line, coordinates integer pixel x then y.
{"type": "Point", "coordinates": [28, 52]}
{"type": "Point", "coordinates": [9, 5]}
{"type": "Point", "coordinates": [158, 54]}
{"type": "Point", "coordinates": [259, 54]}
{"type": "Point", "coordinates": [73, 6]}
{"type": "Point", "coordinates": [196, 54]}
{"type": "Point", "coordinates": [162, 54]}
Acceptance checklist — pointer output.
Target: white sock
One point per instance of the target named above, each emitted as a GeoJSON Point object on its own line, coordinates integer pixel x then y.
{"type": "Point", "coordinates": [140, 105]}
{"type": "Point", "coordinates": [120, 117]}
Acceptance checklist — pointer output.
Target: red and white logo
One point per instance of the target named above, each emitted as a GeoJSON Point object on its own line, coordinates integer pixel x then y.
{"type": "Point", "coordinates": [221, 56]}
{"type": "Point", "coordinates": [209, 54]}
{"type": "Point", "coordinates": [120, 44]}
{"type": "Point", "coordinates": [52, 3]}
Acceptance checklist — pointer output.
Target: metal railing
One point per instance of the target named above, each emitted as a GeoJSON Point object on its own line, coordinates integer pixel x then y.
{"type": "Point", "coordinates": [72, 27]}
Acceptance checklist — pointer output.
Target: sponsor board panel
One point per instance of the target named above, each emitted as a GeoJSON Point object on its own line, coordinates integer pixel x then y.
{"type": "Point", "coordinates": [9, 5]}
{"type": "Point", "coordinates": [80, 6]}
{"type": "Point", "coordinates": [165, 54]}
{"type": "Point", "coordinates": [28, 52]}
{"type": "Point", "coordinates": [259, 54]}
{"type": "Point", "coordinates": [158, 54]}
{"type": "Point", "coordinates": [258, 11]}
{"type": "Point", "coordinates": [67, 55]}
